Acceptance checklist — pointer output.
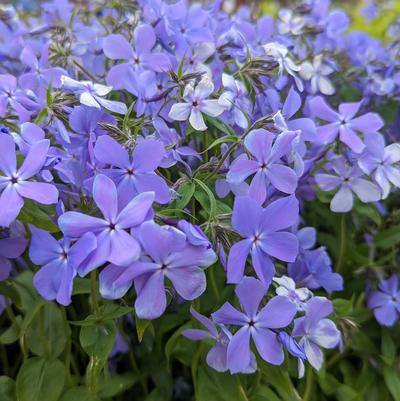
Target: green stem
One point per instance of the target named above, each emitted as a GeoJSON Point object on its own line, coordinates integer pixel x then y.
{"type": "Point", "coordinates": [256, 124]}
{"type": "Point", "coordinates": [309, 385]}
{"type": "Point", "coordinates": [342, 242]}
{"type": "Point", "coordinates": [243, 393]}
{"type": "Point", "coordinates": [213, 283]}
{"type": "Point", "coordinates": [93, 284]}
{"type": "Point", "coordinates": [84, 70]}
{"type": "Point", "coordinates": [193, 209]}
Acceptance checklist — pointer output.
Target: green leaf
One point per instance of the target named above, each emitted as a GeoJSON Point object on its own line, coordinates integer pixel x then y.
{"type": "Point", "coordinates": [112, 311]}
{"type": "Point", "coordinates": [388, 348]}
{"type": "Point", "coordinates": [278, 378]}
{"type": "Point", "coordinates": [81, 286]}
{"type": "Point", "coordinates": [7, 389]}
{"type": "Point", "coordinates": [342, 307]}
{"type": "Point", "coordinates": [39, 216]}
{"type": "Point", "coordinates": [49, 97]}
{"type": "Point", "coordinates": [98, 340]}
{"type": "Point", "coordinates": [40, 379]}
{"type": "Point", "coordinates": [218, 141]}
{"type": "Point", "coordinates": [117, 384]}
{"type": "Point", "coordinates": [219, 125]}
{"type": "Point", "coordinates": [264, 393]}
{"type": "Point", "coordinates": [41, 116]}
{"type": "Point", "coordinates": [47, 335]}
{"type": "Point", "coordinates": [141, 326]}
{"type": "Point", "coordinates": [180, 67]}
{"type": "Point", "coordinates": [11, 334]}
{"type": "Point", "coordinates": [392, 380]}
{"type": "Point", "coordinates": [186, 191]}
{"type": "Point", "coordinates": [78, 393]}
{"type": "Point", "coordinates": [171, 343]}
{"type": "Point", "coordinates": [8, 290]}
{"type": "Point", "coordinates": [211, 198]}
{"type": "Point", "coordinates": [215, 386]}
{"type": "Point", "coordinates": [28, 295]}
{"type": "Point", "coordinates": [387, 238]}
{"type": "Point", "coordinates": [346, 393]}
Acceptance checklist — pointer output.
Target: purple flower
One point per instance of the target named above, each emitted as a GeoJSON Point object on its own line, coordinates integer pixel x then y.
{"type": "Point", "coordinates": [40, 74]}
{"type": "Point", "coordinates": [267, 150]}
{"type": "Point", "coordinates": [14, 182]}
{"type": "Point", "coordinates": [60, 261]}
{"type": "Point", "coordinates": [196, 103]}
{"type": "Point", "coordinates": [10, 248]}
{"type": "Point", "coordinates": [344, 124]}
{"type": "Point", "coordinates": [135, 174]}
{"type": "Point", "coordinates": [257, 324]}
{"type": "Point", "coordinates": [313, 267]}
{"type": "Point", "coordinates": [316, 331]}
{"type": "Point", "coordinates": [116, 47]}
{"type": "Point", "coordinates": [283, 117]}
{"type": "Point", "coordinates": [114, 244]}
{"type": "Point", "coordinates": [167, 255]}
{"type": "Point", "coordinates": [294, 349]}
{"type": "Point", "coordinates": [217, 356]}
{"type": "Point", "coordinates": [91, 94]}
{"type": "Point", "coordinates": [262, 229]}
{"type": "Point", "coordinates": [349, 181]}
{"type": "Point", "coordinates": [385, 302]}
{"type": "Point", "coordinates": [30, 134]}
{"type": "Point", "coordinates": [380, 161]}
{"type": "Point", "coordinates": [16, 98]}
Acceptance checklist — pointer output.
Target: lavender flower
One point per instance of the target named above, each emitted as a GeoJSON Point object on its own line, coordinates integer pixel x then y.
{"type": "Point", "coordinates": [60, 261]}
{"type": "Point", "coordinates": [15, 184]}
{"type": "Point", "coordinates": [262, 229]}
{"type": "Point", "coordinates": [217, 356]}
{"type": "Point", "coordinates": [260, 325]}
{"type": "Point", "coordinates": [316, 331]}
{"type": "Point", "coordinates": [114, 244]}
{"type": "Point", "coordinates": [349, 181]}
{"type": "Point", "coordinates": [344, 123]}
{"type": "Point", "coordinates": [381, 162]}
{"type": "Point", "coordinates": [267, 150]}
{"type": "Point", "coordinates": [10, 248]}
{"type": "Point", "coordinates": [168, 254]}
{"type": "Point", "coordinates": [133, 175]}
{"type": "Point", "coordinates": [385, 302]}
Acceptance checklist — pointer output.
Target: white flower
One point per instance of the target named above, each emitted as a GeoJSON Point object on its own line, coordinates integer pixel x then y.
{"type": "Point", "coordinates": [196, 103]}
{"type": "Point", "coordinates": [318, 73]}
{"type": "Point", "coordinates": [287, 288]}
{"type": "Point", "coordinates": [290, 23]}
{"type": "Point", "coordinates": [90, 94]}
{"type": "Point", "coordinates": [280, 53]}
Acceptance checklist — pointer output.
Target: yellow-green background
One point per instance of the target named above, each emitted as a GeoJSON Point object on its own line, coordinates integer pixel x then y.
{"type": "Point", "coordinates": [376, 28]}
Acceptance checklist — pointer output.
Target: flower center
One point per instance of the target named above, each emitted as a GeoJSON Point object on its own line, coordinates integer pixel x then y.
{"type": "Point", "coordinates": [112, 226]}
{"type": "Point", "coordinates": [195, 103]}
{"type": "Point", "coordinates": [14, 180]}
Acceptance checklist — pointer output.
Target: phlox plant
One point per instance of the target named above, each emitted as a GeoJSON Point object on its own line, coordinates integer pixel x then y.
{"type": "Point", "coordinates": [198, 203]}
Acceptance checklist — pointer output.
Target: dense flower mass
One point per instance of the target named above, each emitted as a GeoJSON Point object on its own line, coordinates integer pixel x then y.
{"type": "Point", "coordinates": [157, 154]}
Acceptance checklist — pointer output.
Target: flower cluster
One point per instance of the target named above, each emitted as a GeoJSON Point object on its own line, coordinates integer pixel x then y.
{"type": "Point", "coordinates": [155, 149]}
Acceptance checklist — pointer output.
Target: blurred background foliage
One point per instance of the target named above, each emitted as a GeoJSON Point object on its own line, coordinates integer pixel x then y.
{"type": "Point", "coordinates": [389, 11]}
